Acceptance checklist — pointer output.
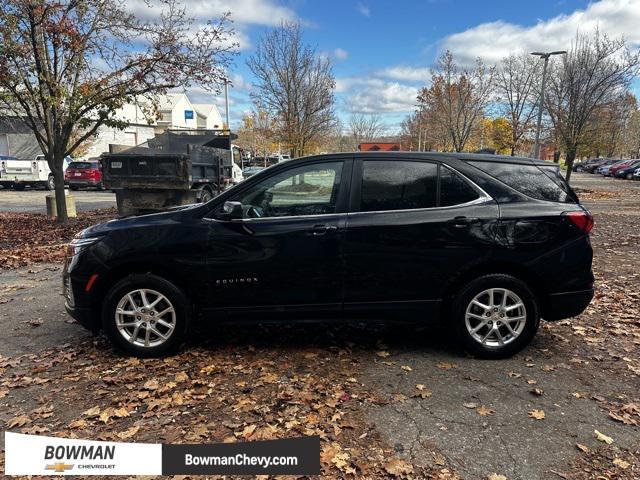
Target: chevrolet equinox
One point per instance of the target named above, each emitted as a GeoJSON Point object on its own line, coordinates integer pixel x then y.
{"type": "Point", "coordinates": [487, 244]}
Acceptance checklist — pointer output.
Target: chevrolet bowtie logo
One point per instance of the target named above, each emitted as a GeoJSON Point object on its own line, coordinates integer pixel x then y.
{"type": "Point", "coordinates": [59, 467]}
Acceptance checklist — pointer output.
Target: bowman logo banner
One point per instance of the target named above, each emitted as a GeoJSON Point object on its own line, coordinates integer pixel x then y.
{"type": "Point", "coordinates": [36, 455]}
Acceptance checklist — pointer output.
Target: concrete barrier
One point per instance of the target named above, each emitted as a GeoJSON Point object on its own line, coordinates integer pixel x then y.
{"type": "Point", "coordinates": [71, 205]}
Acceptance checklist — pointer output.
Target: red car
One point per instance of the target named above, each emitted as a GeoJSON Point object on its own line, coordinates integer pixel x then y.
{"type": "Point", "coordinates": [84, 174]}
{"type": "Point", "coordinates": [619, 166]}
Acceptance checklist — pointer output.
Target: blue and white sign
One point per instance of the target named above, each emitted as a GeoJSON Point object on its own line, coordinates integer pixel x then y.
{"type": "Point", "coordinates": [188, 114]}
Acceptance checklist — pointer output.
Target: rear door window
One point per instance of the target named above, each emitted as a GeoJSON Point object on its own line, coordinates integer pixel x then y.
{"type": "Point", "coordinates": [541, 183]}
{"type": "Point", "coordinates": [398, 185]}
{"type": "Point", "coordinates": [406, 185]}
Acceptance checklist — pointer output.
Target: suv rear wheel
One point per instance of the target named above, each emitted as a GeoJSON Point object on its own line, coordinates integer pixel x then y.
{"type": "Point", "coordinates": [146, 315]}
{"type": "Point", "coordinates": [496, 316]}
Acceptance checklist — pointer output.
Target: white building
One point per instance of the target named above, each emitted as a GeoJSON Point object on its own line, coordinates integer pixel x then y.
{"type": "Point", "coordinates": [175, 111]}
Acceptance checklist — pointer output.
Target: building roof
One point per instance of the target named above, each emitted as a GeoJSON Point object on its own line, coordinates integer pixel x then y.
{"type": "Point", "coordinates": [168, 101]}
{"type": "Point", "coordinates": [204, 109]}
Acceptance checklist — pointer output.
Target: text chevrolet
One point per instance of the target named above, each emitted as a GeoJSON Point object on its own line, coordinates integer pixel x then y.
{"type": "Point", "coordinates": [487, 244]}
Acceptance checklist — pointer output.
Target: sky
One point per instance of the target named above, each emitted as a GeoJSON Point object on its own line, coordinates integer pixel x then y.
{"type": "Point", "coordinates": [382, 51]}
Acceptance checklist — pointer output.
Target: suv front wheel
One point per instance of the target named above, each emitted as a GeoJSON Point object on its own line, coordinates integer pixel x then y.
{"type": "Point", "coordinates": [496, 316]}
{"type": "Point", "coordinates": [146, 315]}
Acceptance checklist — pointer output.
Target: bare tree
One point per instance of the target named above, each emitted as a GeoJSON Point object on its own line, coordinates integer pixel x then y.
{"type": "Point", "coordinates": [517, 91]}
{"type": "Point", "coordinates": [67, 66]}
{"type": "Point", "coordinates": [457, 98]}
{"type": "Point", "coordinates": [595, 72]}
{"type": "Point", "coordinates": [294, 84]}
{"type": "Point", "coordinates": [364, 127]}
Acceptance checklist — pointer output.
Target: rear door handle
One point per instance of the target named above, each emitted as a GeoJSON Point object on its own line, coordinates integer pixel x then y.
{"type": "Point", "coordinates": [461, 222]}
{"type": "Point", "coordinates": [319, 230]}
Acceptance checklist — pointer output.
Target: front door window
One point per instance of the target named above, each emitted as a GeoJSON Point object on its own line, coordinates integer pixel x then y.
{"type": "Point", "coordinates": [305, 190]}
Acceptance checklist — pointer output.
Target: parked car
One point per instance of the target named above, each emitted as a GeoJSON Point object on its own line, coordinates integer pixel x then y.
{"type": "Point", "coordinates": [471, 240]}
{"type": "Point", "coordinates": [603, 162]}
{"type": "Point", "coordinates": [636, 174]}
{"type": "Point", "coordinates": [250, 171]}
{"type": "Point", "coordinates": [627, 170]}
{"type": "Point", "coordinates": [585, 164]}
{"type": "Point", "coordinates": [84, 174]}
{"type": "Point", "coordinates": [618, 166]}
{"type": "Point", "coordinates": [606, 169]}
{"type": "Point", "coordinates": [18, 173]}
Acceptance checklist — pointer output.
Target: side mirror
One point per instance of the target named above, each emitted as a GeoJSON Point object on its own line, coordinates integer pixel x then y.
{"type": "Point", "coordinates": [231, 211]}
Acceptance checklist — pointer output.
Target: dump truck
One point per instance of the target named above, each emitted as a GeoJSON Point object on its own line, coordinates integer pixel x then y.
{"type": "Point", "coordinates": [177, 167]}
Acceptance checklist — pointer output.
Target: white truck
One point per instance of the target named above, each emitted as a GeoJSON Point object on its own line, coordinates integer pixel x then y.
{"type": "Point", "coordinates": [17, 174]}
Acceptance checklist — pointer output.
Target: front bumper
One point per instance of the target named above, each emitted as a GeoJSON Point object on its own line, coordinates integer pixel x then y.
{"type": "Point", "coordinates": [567, 304]}
{"type": "Point", "coordinates": [76, 301]}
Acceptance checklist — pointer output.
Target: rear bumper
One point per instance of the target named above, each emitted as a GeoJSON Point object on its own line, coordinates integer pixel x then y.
{"type": "Point", "coordinates": [567, 304]}
{"type": "Point", "coordinates": [83, 183]}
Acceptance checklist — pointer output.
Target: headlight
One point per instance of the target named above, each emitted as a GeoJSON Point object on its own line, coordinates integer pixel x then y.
{"type": "Point", "coordinates": [77, 245]}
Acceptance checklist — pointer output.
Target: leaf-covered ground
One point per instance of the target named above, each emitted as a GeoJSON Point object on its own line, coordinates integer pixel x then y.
{"type": "Point", "coordinates": [255, 382]}
{"type": "Point", "coordinates": [28, 238]}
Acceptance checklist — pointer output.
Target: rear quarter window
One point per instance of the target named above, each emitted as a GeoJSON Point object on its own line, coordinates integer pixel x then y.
{"type": "Point", "coordinates": [541, 183]}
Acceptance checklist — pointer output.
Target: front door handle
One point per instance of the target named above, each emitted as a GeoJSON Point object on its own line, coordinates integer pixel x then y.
{"type": "Point", "coordinates": [461, 222]}
{"type": "Point", "coordinates": [319, 230]}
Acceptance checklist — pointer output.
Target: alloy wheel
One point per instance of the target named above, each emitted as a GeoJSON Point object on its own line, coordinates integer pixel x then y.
{"type": "Point", "coordinates": [145, 318]}
{"type": "Point", "coordinates": [495, 317]}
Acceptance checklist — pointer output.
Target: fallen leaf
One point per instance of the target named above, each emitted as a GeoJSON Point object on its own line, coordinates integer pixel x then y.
{"type": "Point", "coordinates": [470, 405]}
{"type": "Point", "coordinates": [537, 414]}
{"type": "Point", "coordinates": [447, 365]}
{"type": "Point", "coordinates": [484, 411]}
{"type": "Point", "coordinates": [151, 384]}
{"type": "Point", "coordinates": [618, 462]}
{"type": "Point", "coordinates": [603, 438]}
{"type": "Point", "coordinates": [582, 448]}
{"type": "Point", "coordinates": [407, 368]}
{"type": "Point", "coordinates": [398, 467]}
{"type": "Point", "coordinates": [92, 412]}
{"type": "Point", "coordinates": [382, 354]}
{"type": "Point", "coordinates": [495, 476]}
{"type": "Point", "coordinates": [130, 432]}
{"type": "Point", "coordinates": [19, 421]}
{"type": "Point", "coordinates": [537, 391]}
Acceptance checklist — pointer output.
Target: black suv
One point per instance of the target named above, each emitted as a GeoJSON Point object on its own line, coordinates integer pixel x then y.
{"type": "Point", "coordinates": [488, 244]}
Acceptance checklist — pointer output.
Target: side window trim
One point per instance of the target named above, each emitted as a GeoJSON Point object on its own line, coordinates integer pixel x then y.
{"type": "Point", "coordinates": [356, 187]}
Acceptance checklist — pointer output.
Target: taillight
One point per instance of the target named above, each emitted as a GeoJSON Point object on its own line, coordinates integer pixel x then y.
{"type": "Point", "coordinates": [582, 220]}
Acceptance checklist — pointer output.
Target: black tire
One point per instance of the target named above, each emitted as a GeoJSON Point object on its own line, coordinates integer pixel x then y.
{"type": "Point", "coordinates": [500, 281]}
{"type": "Point", "coordinates": [50, 183]}
{"type": "Point", "coordinates": [629, 176]}
{"type": "Point", "coordinates": [74, 187]}
{"type": "Point", "coordinates": [148, 281]}
{"type": "Point", "coordinates": [100, 187]}
{"type": "Point", "coordinates": [206, 195]}
{"type": "Point", "coordinates": [19, 187]}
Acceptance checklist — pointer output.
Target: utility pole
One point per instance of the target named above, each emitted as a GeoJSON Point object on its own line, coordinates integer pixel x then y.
{"type": "Point", "coordinates": [226, 101]}
{"type": "Point", "coordinates": [545, 56]}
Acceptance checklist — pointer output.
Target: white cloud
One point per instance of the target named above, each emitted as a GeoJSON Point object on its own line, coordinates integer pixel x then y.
{"type": "Point", "coordinates": [374, 95]}
{"type": "Point", "coordinates": [248, 12]}
{"type": "Point", "coordinates": [495, 40]}
{"type": "Point", "coordinates": [363, 9]}
{"type": "Point", "coordinates": [244, 13]}
{"type": "Point", "coordinates": [340, 54]}
{"type": "Point", "coordinates": [406, 73]}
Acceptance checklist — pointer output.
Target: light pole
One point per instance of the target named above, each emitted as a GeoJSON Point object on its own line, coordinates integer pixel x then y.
{"type": "Point", "coordinates": [226, 100]}
{"type": "Point", "coordinates": [545, 56]}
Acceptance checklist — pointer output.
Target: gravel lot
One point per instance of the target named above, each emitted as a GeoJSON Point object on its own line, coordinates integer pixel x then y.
{"type": "Point", "coordinates": [411, 393]}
